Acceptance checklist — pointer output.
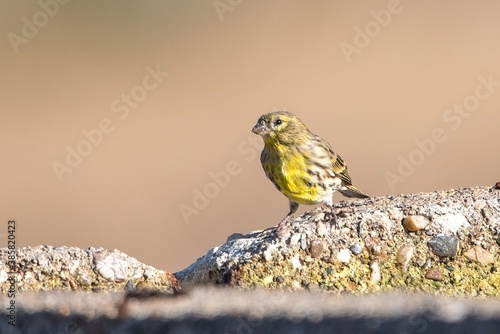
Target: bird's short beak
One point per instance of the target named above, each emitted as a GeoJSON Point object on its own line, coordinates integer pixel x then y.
{"type": "Point", "coordinates": [259, 129]}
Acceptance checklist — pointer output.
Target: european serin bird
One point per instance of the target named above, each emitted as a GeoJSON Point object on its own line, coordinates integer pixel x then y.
{"type": "Point", "coordinates": [301, 165]}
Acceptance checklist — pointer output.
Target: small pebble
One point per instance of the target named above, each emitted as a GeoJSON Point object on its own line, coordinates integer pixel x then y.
{"type": "Point", "coordinates": [296, 262]}
{"type": "Point", "coordinates": [434, 274]}
{"type": "Point", "coordinates": [404, 255]}
{"type": "Point", "coordinates": [280, 279]}
{"type": "Point", "coordinates": [321, 229]}
{"type": "Point", "coordinates": [268, 256]}
{"type": "Point", "coordinates": [268, 279]}
{"type": "Point", "coordinates": [415, 223]}
{"type": "Point", "coordinates": [73, 284]}
{"type": "Point", "coordinates": [498, 241]}
{"type": "Point", "coordinates": [375, 275]}
{"type": "Point", "coordinates": [344, 256]}
{"type": "Point", "coordinates": [329, 270]}
{"type": "Point", "coordinates": [420, 261]}
{"type": "Point", "coordinates": [444, 245]}
{"type": "Point", "coordinates": [316, 248]}
{"type": "Point", "coordinates": [497, 185]}
{"type": "Point", "coordinates": [130, 286]}
{"type": "Point", "coordinates": [479, 255]}
{"type": "Point", "coordinates": [356, 248]}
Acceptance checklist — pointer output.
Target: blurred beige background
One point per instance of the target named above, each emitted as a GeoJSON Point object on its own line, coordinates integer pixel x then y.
{"type": "Point", "coordinates": [371, 77]}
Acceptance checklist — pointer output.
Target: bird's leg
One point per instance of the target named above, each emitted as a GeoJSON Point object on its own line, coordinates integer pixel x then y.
{"type": "Point", "coordinates": [331, 216]}
{"type": "Point", "coordinates": [293, 207]}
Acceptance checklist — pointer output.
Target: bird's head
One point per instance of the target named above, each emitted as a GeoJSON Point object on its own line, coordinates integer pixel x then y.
{"type": "Point", "coordinates": [280, 127]}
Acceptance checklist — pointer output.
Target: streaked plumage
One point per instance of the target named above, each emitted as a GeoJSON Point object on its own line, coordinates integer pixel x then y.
{"type": "Point", "coordinates": [301, 165]}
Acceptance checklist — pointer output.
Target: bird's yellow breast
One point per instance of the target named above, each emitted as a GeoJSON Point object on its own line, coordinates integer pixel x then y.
{"type": "Point", "coordinates": [288, 169]}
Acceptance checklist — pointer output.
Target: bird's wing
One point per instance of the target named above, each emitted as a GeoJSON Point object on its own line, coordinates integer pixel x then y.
{"type": "Point", "coordinates": [340, 169]}
{"type": "Point", "coordinates": [337, 163]}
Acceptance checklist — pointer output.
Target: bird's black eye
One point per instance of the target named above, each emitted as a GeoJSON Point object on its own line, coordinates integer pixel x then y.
{"type": "Point", "coordinates": [278, 122]}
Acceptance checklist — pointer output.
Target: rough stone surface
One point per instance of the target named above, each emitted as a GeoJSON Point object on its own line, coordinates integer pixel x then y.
{"type": "Point", "coordinates": [467, 217]}
{"type": "Point", "coordinates": [211, 310]}
{"type": "Point", "coordinates": [46, 268]}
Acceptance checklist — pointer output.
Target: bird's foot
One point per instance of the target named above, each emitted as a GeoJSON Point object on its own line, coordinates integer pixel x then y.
{"type": "Point", "coordinates": [331, 217]}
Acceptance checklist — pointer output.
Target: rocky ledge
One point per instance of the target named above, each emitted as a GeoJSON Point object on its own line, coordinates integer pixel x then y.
{"type": "Point", "coordinates": [47, 268]}
{"type": "Point", "coordinates": [443, 242]}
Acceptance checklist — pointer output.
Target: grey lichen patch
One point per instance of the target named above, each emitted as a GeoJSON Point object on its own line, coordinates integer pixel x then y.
{"type": "Point", "coordinates": [386, 257]}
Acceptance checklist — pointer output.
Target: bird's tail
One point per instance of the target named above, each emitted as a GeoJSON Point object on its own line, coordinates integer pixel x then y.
{"type": "Point", "coordinates": [352, 191]}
